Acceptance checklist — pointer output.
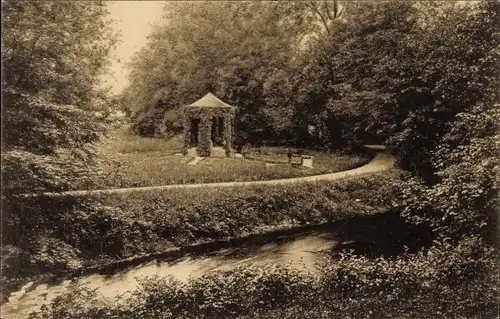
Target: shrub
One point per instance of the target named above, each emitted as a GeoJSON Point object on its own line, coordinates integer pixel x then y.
{"type": "Point", "coordinates": [80, 302]}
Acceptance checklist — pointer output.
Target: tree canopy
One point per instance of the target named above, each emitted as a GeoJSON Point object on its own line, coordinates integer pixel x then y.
{"type": "Point", "coordinates": [240, 51]}
{"type": "Point", "coordinates": [53, 107]}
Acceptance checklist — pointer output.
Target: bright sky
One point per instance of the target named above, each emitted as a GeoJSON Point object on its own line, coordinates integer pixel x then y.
{"type": "Point", "coordinates": [133, 22]}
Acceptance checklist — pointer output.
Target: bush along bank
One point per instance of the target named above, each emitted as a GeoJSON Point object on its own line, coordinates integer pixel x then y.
{"type": "Point", "coordinates": [69, 233]}
{"type": "Point", "coordinates": [437, 283]}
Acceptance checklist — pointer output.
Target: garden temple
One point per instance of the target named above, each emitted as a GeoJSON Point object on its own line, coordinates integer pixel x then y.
{"type": "Point", "coordinates": [208, 127]}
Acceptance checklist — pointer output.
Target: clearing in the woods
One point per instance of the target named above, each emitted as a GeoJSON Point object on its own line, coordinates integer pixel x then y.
{"type": "Point", "coordinates": [144, 161]}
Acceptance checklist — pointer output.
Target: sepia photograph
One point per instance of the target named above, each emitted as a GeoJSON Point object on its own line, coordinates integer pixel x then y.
{"type": "Point", "coordinates": [283, 159]}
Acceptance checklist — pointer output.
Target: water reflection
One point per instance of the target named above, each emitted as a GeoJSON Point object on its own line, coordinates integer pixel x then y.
{"type": "Point", "coordinates": [300, 251]}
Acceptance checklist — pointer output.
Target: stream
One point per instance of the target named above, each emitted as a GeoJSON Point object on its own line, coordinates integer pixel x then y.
{"type": "Point", "coordinates": [302, 250]}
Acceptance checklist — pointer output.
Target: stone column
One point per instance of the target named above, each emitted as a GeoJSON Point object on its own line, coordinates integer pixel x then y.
{"type": "Point", "coordinates": [228, 134]}
{"type": "Point", "coordinates": [205, 136]}
{"type": "Point", "coordinates": [187, 133]}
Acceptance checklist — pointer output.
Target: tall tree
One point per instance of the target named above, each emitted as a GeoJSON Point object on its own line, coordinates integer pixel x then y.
{"type": "Point", "coordinates": [237, 57]}
{"type": "Point", "coordinates": [345, 75]}
{"type": "Point", "coordinates": [52, 56]}
{"type": "Point", "coordinates": [450, 66]}
{"type": "Point", "coordinates": [399, 72]}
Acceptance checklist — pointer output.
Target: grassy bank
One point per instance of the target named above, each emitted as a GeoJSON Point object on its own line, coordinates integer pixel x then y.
{"type": "Point", "coordinates": [172, 218]}
{"type": "Point", "coordinates": [77, 232]}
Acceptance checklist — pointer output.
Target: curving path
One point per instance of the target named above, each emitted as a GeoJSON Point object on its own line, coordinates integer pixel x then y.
{"type": "Point", "coordinates": [381, 162]}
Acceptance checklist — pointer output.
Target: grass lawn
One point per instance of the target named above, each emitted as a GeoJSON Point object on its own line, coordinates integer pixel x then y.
{"type": "Point", "coordinates": [151, 161]}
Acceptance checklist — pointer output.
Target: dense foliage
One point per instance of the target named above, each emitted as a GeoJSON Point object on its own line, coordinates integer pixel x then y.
{"type": "Point", "coordinates": [465, 200]}
{"type": "Point", "coordinates": [52, 56]}
{"type": "Point", "coordinates": [53, 108]}
{"type": "Point", "coordinates": [242, 58]}
{"type": "Point", "coordinates": [398, 73]}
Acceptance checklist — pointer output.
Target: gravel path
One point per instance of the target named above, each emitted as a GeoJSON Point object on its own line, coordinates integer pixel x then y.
{"type": "Point", "coordinates": [381, 162]}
